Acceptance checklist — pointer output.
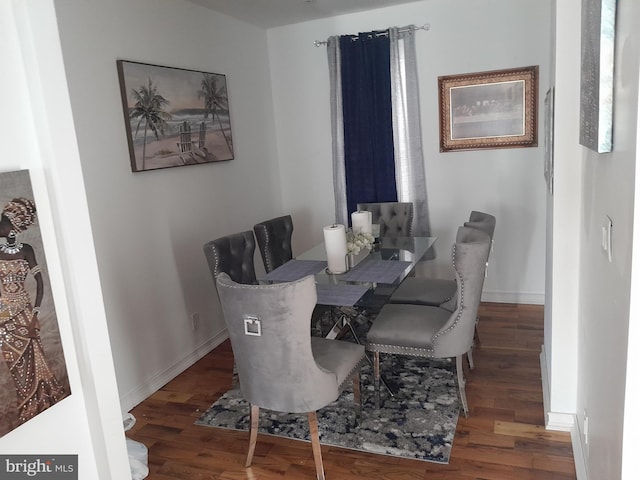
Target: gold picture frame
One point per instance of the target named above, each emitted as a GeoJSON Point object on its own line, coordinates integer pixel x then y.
{"type": "Point", "coordinates": [493, 109]}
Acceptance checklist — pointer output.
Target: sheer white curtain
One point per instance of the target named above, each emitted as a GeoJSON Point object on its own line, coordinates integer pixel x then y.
{"type": "Point", "coordinates": [407, 132]}
{"type": "Point", "coordinates": [409, 162]}
{"type": "Point", "coordinates": [337, 131]}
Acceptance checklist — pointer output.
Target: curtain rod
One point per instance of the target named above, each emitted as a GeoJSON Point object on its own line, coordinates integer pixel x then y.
{"type": "Point", "coordinates": [426, 27]}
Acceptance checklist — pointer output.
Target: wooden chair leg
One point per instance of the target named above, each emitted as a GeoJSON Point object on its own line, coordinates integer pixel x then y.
{"type": "Point", "coordinates": [376, 377]}
{"type": "Point", "coordinates": [253, 433]}
{"type": "Point", "coordinates": [235, 382]}
{"type": "Point", "coordinates": [357, 399]}
{"type": "Point", "coordinates": [461, 388]}
{"type": "Point", "coordinates": [315, 444]}
{"type": "Point", "coordinates": [476, 342]}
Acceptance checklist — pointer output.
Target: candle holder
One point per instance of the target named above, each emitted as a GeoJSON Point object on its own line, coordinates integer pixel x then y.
{"type": "Point", "coordinates": [354, 259]}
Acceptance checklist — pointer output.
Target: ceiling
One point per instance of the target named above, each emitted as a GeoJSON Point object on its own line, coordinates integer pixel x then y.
{"type": "Point", "coordinates": [276, 13]}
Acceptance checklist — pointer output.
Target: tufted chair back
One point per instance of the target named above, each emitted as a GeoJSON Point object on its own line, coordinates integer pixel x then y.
{"type": "Point", "coordinates": [394, 218]}
{"type": "Point", "coordinates": [233, 255]}
{"type": "Point", "coordinates": [274, 241]}
{"type": "Point", "coordinates": [431, 331]}
{"type": "Point", "coordinates": [277, 369]}
{"type": "Point", "coordinates": [281, 367]}
{"type": "Point", "coordinates": [485, 222]}
{"type": "Point", "coordinates": [482, 221]}
{"type": "Point", "coordinates": [469, 256]}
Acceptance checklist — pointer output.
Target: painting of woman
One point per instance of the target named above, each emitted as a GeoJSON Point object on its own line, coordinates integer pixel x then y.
{"type": "Point", "coordinates": [36, 386]}
{"type": "Point", "coordinates": [33, 371]}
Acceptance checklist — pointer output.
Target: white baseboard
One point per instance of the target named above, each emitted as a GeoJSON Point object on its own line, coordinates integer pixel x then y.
{"type": "Point", "coordinates": [513, 297]}
{"type": "Point", "coordinates": [564, 422]}
{"type": "Point", "coordinates": [138, 394]}
{"type": "Point", "coordinates": [579, 454]}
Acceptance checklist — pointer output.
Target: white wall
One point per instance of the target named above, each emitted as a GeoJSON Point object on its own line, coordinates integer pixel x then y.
{"type": "Point", "coordinates": [546, 354]}
{"type": "Point", "coordinates": [149, 227]}
{"type": "Point", "coordinates": [631, 434]}
{"type": "Point", "coordinates": [608, 185]}
{"type": "Point", "coordinates": [561, 315]}
{"type": "Point", "coordinates": [591, 298]}
{"type": "Point", "coordinates": [36, 123]}
{"type": "Point", "coordinates": [464, 37]}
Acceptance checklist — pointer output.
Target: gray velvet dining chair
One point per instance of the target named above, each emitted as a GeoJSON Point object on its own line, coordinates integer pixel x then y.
{"type": "Point", "coordinates": [431, 331]}
{"type": "Point", "coordinates": [394, 218]}
{"type": "Point", "coordinates": [281, 367]}
{"type": "Point", "coordinates": [482, 221]}
{"type": "Point", "coordinates": [233, 255]}
{"type": "Point", "coordinates": [441, 292]}
{"type": "Point", "coordinates": [274, 241]}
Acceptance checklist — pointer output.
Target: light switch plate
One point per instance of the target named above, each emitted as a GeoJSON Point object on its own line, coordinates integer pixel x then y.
{"type": "Point", "coordinates": [606, 237]}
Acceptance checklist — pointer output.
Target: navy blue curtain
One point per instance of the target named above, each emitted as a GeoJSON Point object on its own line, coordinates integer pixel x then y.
{"type": "Point", "coordinates": [368, 130]}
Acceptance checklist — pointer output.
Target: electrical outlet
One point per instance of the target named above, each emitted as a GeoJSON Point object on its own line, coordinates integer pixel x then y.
{"type": "Point", "coordinates": [195, 321]}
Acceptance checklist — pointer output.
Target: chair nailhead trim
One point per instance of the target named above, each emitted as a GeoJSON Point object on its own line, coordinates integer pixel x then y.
{"type": "Point", "coordinates": [428, 352]}
{"type": "Point", "coordinates": [413, 351]}
{"type": "Point", "coordinates": [460, 296]}
{"type": "Point", "coordinates": [351, 373]}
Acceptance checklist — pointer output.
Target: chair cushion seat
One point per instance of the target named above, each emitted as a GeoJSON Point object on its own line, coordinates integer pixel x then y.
{"type": "Point", "coordinates": [424, 291]}
{"type": "Point", "coordinates": [406, 329]}
{"type": "Point", "coordinates": [340, 357]}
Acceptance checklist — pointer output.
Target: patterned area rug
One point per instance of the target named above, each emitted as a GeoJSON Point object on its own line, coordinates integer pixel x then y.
{"type": "Point", "coordinates": [418, 422]}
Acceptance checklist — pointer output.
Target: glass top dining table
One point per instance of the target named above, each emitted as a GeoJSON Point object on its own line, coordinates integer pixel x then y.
{"type": "Point", "coordinates": [389, 262]}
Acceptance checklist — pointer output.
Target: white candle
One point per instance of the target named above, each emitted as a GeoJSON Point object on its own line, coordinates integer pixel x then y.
{"type": "Point", "coordinates": [369, 226]}
{"type": "Point", "coordinates": [361, 222]}
{"type": "Point", "coordinates": [335, 243]}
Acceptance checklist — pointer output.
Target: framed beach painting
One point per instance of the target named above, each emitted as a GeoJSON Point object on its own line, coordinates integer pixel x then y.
{"type": "Point", "coordinates": [493, 109]}
{"type": "Point", "coordinates": [174, 116]}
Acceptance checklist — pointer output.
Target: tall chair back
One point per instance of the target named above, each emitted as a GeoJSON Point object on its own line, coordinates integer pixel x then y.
{"type": "Point", "coordinates": [482, 221]}
{"type": "Point", "coordinates": [274, 241]}
{"type": "Point", "coordinates": [394, 218]}
{"type": "Point", "coordinates": [469, 255]}
{"type": "Point", "coordinates": [233, 255]}
{"type": "Point", "coordinates": [434, 331]}
{"type": "Point", "coordinates": [276, 366]}
{"type": "Point", "coordinates": [280, 366]}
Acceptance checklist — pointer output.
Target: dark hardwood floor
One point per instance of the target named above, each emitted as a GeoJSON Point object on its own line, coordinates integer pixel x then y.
{"type": "Point", "coordinates": [503, 439]}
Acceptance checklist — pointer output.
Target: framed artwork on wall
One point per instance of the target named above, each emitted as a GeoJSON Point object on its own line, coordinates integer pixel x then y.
{"type": "Point", "coordinates": [174, 116]}
{"type": "Point", "coordinates": [33, 371]}
{"type": "Point", "coordinates": [493, 109]}
{"type": "Point", "coordinates": [596, 74]}
{"type": "Point", "coordinates": [549, 100]}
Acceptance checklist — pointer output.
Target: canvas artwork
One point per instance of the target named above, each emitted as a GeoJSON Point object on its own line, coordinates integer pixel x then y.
{"type": "Point", "coordinates": [33, 373]}
{"type": "Point", "coordinates": [174, 116]}
{"type": "Point", "coordinates": [548, 138]}
{"type": "Point", "coordinates": [596, 81]}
